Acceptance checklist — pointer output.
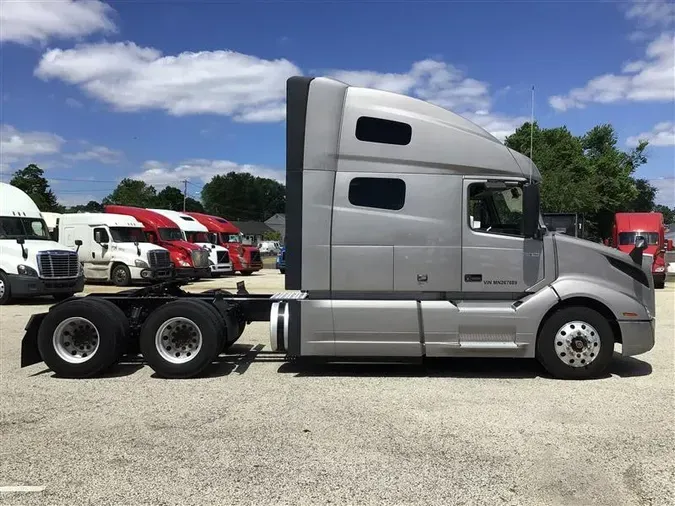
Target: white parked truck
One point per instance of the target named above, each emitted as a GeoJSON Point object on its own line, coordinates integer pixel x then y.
{"type": "Point", "coordinates": [31, 263]}
{"type": "Point", "coordinates": [196, 233]}
{"type": "Point", "coordinates": [410, 233]}
{"type": "Point", "coordinates": [114, 248]}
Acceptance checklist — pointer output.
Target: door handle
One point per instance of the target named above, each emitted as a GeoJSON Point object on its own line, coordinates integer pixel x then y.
{"type": "Point", "coordinates": [422, 278]}
{"type": "Point", "coordinates": [93, 255]}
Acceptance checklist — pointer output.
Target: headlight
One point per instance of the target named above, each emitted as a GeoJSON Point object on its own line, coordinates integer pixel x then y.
{"type": "Point", "coordinates": [141, 263]}
{"type": "Point", "coordinates": [660, 268]}
{"type": "Point", "coordinates": [183, 263]}
{"type": "Point", "coordinates": [26, 270]}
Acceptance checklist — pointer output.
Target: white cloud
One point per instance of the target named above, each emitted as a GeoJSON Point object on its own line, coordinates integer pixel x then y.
{"type": "Point", "coordinates": [663, 134]}
{"type": "Point", "coordinates": [665, 191]}
{"type": "Point", "coordinates": [198, 171]}
{"type": "Point", "coordinates": [650, 79]}
{"type": "Point", "coordinates": [100, 154]}
{"type": "Point", "coordinates": [74, 103]}
{"type": "Point", "coordinates": [133, 78]}
{"type": "Point", "coordinates": [651, 13]}
{"type": "Point", "coordinates": [432, 80]}
{"type": "Point", "coordinates": [16, 145]}
{"type": "Point", "coordinates": [25, 22]}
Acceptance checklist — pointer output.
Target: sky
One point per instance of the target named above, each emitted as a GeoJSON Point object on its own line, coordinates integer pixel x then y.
{"type": "Point", "coordinates": [170, 90]}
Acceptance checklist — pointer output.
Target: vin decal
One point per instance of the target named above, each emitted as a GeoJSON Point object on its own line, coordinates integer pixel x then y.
{"type": "Point", "coordinates": [500, 282]}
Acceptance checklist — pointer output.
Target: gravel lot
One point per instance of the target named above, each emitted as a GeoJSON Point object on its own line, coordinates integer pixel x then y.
{"type": "Point", "coordinates": [257, 431]}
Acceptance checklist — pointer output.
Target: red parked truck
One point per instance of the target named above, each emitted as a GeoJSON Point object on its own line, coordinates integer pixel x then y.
{"type": "Point", "coordinates": [629, 226]}
{"type": "Point", "coordinates": [245, 259]}
{"type": "Point", "coordinates": [189, 260]}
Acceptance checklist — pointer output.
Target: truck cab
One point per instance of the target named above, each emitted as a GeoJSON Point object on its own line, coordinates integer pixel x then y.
{"type": "Point", "coordinates": [245, 259]}
{"type": "Point", "coordinates": [31, 263]}
{"type": "Point", "coordinates": [629, 227]}
{"type": "Point", "coordinates": [114, 248]}
{"type": "Point", "coordinates": [196, 233]}
{"type": "Point", "coordinates": [189, 260]}
{"type": "Point", "coordinates": [413, 232]}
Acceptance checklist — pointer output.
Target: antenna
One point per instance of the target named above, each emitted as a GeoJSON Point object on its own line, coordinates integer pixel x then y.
{"type": "Point", "coordinates": [532, 137]}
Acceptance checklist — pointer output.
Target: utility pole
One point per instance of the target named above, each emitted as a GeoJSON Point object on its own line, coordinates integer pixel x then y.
{"type": "Point", "coordinates": [185, 182]}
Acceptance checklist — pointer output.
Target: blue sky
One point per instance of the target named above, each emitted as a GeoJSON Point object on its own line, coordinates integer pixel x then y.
{"type": "Point", "coordinates": [175, 90]}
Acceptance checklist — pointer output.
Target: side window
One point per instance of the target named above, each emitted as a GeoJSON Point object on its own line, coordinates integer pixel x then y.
{"type": "Point", "coordinates": [383, 131]}
{"type": "Point", "coordinates": [498, 211]}
{"type": "Point", "coordinates": [101, 235]}
{"type": "Point", "coordinates": [380, 193]}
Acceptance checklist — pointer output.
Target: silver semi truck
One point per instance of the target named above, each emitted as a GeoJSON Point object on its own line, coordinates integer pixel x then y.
{"type": "Point", "coordinates": [411, 233]}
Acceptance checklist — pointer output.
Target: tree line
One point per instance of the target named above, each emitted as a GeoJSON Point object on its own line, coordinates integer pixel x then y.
{"type": "Point", "coordinates": [585, 174]}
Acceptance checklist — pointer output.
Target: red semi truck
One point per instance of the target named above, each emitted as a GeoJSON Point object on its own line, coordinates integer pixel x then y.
{"type": "Point", "coordinates": [189, 260]}
{"type": "Point", "coordinates": [629, 226]}
{"type": "Point", "coordinates": [245, 259]}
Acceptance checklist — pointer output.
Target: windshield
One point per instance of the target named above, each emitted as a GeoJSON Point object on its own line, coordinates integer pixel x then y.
{"type": "Point", "coordinates": [127, 234]}
{"type": "Point", "coordinates": [230, 237]}
{"type": "Point", "coordinates": [170, 234]}
{"type": "Point", "coordinates": [628, 238]}
{"type": "Point", "coordinates": [28, 228]}
{"type": "Point", "coordinates": [197, 236]}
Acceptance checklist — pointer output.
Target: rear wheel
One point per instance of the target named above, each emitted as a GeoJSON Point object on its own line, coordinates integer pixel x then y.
{"type": "Point", "coordinates": [120, 275]}
{"type": "Point", "coordinates": [76, 339]}
{"type": "Point", "coordinates": [575, 343]}
{"type": "Point", "coordinates": [117, 318]}
{"type": "Point", "coordinates": [180, 339]}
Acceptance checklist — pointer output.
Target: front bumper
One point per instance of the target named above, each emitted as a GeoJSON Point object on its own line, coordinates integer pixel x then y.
{"type": "Point", "coordinates": [193, 272]}
{"type": "Point", "coordinates": [221, 268]}
{"type": "Point", "coordinates": [637, 336]}
{"type": "Point", "coordinates": [151, 274]}
{"type": "Point", "coordinates": [23, 286]}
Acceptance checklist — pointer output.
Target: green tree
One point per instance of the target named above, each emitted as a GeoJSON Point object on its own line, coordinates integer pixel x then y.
{"type": "Point", "coordinates": [242, 196]}
{"type": "Point", "coordinates": [172, 198]}
{"type": "Point", "coordinates": [585, 174]}
{"type": "Point", "coordinates": [132, 192]}
{"type": "Point", "coordinates": [31, 180]}
{"type": "Point", "coordinates": [646, 193]}
{"type": "Point", "coordinates": [90, 207]}
{"type": "Point", "coordinates": [667, 212]}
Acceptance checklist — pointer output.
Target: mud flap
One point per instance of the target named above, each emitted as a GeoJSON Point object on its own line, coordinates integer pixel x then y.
{"type": "Point", "coordinates": [29, 348]}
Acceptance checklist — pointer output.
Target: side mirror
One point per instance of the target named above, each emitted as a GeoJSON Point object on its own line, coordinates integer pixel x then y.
{"type": "Point", "coordinates": [24, 252]}
{"type": "Point", "coordinates": [669, 245]}
{"type": "Point", "coordinates": [531, 204]}
{"type": "Point", "coordinates": [636, 252]}
{"type": "Point", "coordinates": [78, 243]}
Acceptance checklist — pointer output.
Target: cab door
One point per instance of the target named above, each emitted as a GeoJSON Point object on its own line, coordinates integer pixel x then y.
{"type": "Point", "coordinates": [496, 257]}
{"type": "Point", "coordinates": [100, 254]}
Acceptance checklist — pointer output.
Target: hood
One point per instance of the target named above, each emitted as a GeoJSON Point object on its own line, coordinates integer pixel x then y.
{"type": "Point", "coordinates": [11, 255]}
{"type": "Point", "coordinates": [607, 266]}
{"type": "Point", "coordinates": [184, 245]}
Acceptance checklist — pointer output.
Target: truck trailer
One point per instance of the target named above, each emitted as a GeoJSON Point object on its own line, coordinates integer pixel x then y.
{"type": "Point", "coordinates": [411, 233]}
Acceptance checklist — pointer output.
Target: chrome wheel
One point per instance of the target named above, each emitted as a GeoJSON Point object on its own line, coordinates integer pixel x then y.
{"type": "Point", "coordinates": [577, 344]}
{"type": "Point", "coordinates": [2, 288]}
{"type": "Point", "coordinates": [178, 340]}
{"type": "Point", "coordinates": [75, 340]}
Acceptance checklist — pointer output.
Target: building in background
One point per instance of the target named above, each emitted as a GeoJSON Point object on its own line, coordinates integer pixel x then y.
{"type": "Point", "coordinates": [253, 231]}
{"type": "Point", "coordinates": [278, 223]}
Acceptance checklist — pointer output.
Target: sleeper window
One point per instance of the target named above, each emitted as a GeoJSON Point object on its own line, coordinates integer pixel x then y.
{"type": "Point", "coordinates": [380, 193]}
{"type": "Point", "coordinates": [383, 131]}
{"type": "Point", "coordinates": [498, 211]}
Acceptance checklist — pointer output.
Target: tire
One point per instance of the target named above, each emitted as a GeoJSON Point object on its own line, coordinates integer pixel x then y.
{"type": "Point", "coordinates": [660, 284]}
{"type": "Point", "coordinates": [246, 273]}
{"type": "Point", "coordinates": [120, 275]}
{"type": "Point", "coordinates": [217, 318]}
{"type": "Point", "coordinates": [70, 359]}
{"type": "Point", "coordinates": [118, 318]}
{"type": "Point", "coordinates": [5, 290]}
{"type": "Point", "coordinates": [282, 271]}
{"type": "Point", "coordinates": [577, 325]}
{"type": "Point", "coordinates": [198, 331]}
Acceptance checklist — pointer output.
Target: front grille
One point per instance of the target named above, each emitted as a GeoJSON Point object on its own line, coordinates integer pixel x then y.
{"type": "Point", "coordinates": [200, 258]}
{"type": "Point", "coordinates": [223, 257]}
{"type": "Point", "coordinates": [158, 259]}
{"type": "Point", "coordinates": [58, 264]}
{"type": "Point", "coordinates": [255, 256]}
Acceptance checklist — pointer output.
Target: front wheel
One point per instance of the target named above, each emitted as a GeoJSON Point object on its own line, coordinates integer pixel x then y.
{"type": "Point", "coordinates": [246, 273]}
{"type": "Point", "coordinates": [120, 275]}
{"type": "Point", "coordinates": [5, 291]}
{"type": "Point", "coordinates": [575, 343]}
